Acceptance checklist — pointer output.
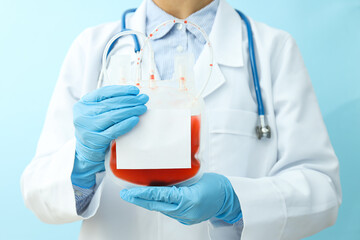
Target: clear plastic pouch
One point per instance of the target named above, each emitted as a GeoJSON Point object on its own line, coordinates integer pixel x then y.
{"type": "Point", "coordinates": [163, 149]}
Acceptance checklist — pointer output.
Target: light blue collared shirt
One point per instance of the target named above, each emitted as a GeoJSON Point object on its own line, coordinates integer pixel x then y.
{"type": "Point", "coordinates": [177, 38]}
{"type": "Point", "coordinates": [167, 42]}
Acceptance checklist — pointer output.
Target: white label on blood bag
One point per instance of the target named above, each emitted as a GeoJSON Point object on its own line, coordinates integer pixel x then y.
{"type": "Point", "coordinates": [161, 140]}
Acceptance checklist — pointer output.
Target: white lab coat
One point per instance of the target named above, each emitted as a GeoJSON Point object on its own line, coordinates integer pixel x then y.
{"type": "Point", "coordinates": [288, 186]}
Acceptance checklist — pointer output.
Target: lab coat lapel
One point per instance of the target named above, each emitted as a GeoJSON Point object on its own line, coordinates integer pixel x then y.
{"type": "Point", "coordinates": [226, 40]}
{"type": "Point", "coordinates": [138, 20]}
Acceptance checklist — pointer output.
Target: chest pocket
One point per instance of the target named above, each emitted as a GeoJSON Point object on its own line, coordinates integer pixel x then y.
{"type": "Point", "coordinates": [234, 149]}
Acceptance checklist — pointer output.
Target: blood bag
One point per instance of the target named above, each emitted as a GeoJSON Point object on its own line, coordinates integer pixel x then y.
{"type": "Point", "coordinates": [163, 148]}
{"type": "Point", "coordinates": [162, 176]}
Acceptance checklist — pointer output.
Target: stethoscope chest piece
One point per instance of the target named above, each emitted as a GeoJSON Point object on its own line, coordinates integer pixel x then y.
{"type": "Point", "coordinates": [263, 130]}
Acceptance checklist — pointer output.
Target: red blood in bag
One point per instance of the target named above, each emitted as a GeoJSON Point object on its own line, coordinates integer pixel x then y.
{"type": "Point", "coordinates": [161, 177]}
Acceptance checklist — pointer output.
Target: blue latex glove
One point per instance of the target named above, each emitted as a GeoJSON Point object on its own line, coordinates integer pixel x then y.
{"type": "Point", "coordinates": [100, 117]}
{"type": "Point", "coordinates": [211, 196]}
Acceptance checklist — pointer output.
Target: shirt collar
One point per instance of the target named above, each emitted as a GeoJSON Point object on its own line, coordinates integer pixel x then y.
{"type": "Point", "coordinates": [204, 18]}
{"type": "Point", "coordinates": [226, 39]}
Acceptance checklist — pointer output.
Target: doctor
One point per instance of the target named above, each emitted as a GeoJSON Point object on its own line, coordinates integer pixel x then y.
{"type": "Point", "coordinates": [286, 187]}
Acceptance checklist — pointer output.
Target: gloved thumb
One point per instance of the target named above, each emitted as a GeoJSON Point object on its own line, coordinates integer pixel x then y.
{"type": "Point", "coordinates": [153, 205]}
{"type": "Point", "coordinates": [159, 194]}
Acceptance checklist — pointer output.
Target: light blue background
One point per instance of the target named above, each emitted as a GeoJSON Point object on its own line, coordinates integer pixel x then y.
{"type": "Point", "coordinates": [35, 36]}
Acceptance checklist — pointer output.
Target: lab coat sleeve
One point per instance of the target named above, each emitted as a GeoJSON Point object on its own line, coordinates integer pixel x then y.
{"type": "Point", "coordinates": [302, 193]}
{"type": "Point", "coordinates": [46, 184]}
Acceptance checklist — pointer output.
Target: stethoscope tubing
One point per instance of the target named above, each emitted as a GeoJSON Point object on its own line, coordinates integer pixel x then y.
{"type": "Point", "coordinates": [263, 130]}
{"type": "Point", "coordinates": [252, 57]}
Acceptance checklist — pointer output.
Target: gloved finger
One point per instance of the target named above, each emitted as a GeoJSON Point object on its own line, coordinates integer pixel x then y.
{"type": "Point", "coordinates": [148, 204]}
{"type": "Point", "coordinates": [117, 103]}
{"type": "Point", "coordinates": [84, 111]}
{"type": "Point", "coordinates": [110, 118]}
{"type": "Point", "coordinates": [110, 92]}
{"type": "Point", "coordinates": [160, 194]}
{"type": "Point", "coordinates": [103, 121]}
{"type": "Point", "coordinates": [91, 142]}
{"type": "Point", "coordinates": [83, 171]}
{"type": "Point", "coordinates": [96, 108]}
{"type": "Point", "coordinates": [180, 219]}
{"type": "Point", "coordinates": [176, 217]}
{"type": "Point", "coordinates": [187, 222]}
{"type": "Point", "coordinates": [120, 128]}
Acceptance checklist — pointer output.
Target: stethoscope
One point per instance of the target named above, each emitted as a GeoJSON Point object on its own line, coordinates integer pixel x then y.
{"type": "Point", "coordinates": [262, 130]}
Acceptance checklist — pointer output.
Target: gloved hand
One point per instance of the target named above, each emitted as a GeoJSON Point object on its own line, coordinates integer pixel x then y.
{"type": "Point", "coordinates": [100, 117]}
{"type": "Point", "coordinates": [211, 196]}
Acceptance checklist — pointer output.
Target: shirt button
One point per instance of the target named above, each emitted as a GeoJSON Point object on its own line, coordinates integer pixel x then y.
{"type": "Point", "coordinates": [78, 193]}
{"type": "Point", "coordinates": [179, 48]}
{"type": "Point", "coordinates": [179, 26]}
